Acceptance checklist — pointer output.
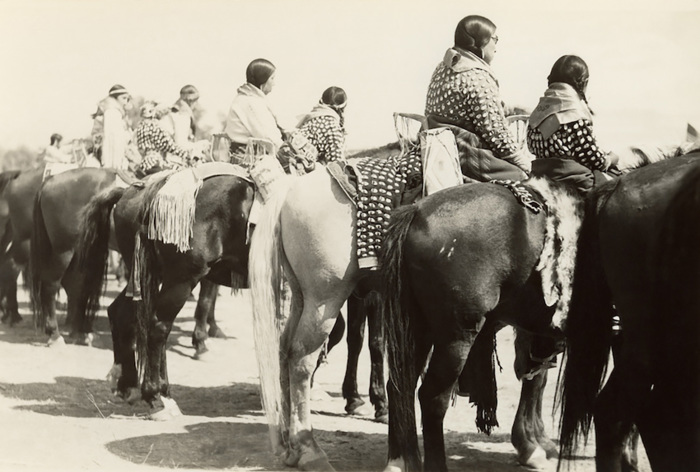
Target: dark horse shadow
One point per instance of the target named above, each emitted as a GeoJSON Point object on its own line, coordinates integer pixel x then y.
{"type": "Point", "coordinates": [90, 398]}
{"type": "Point", "coordinates": [224, 445]}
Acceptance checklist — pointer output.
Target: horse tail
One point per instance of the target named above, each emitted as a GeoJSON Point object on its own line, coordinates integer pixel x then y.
{"type": "Point", "coordinates": [146, 278]}
{"type": "Point", "coordinates": [265, 272]}
{"type": "Point", "coordinates": [39, 251]}
{"type": "Point", "coordinates": [398, 329]}
{"type": "Point", "coordinates": [588, 332]}
{"type": "Point", "coordinates": [92, 251]}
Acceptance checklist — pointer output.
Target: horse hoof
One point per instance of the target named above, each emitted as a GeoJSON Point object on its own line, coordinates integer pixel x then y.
{"type": "Point", "coordinates": [202, 355]}
{"type": "Point", "coordinates": [382, 418]}
{"type": "Point", "coordinates": [361, 410]}
{"type": "Point", "coordinates": [536, 461]}
{"type": "Point", "coordinates": [319, 463]}
{"type": "Point", "coordinates": [395, 465]}
{"type": "Point", "coordinates": [56, 341]}
{"type": "Point", "coordinates": [84, 339]}
{"type": "Point", "coordinates": [132, 395]}
{"type": "Point", "coordinates": [217, 333]}
{"type": "Point", "coordinates": [170, 411]}
{"type": "Point", "coordinates": [353, 405]}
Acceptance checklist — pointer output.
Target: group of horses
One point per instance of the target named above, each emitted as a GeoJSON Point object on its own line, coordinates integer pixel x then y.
{"type": "Point", "coordinates": [455, 267]}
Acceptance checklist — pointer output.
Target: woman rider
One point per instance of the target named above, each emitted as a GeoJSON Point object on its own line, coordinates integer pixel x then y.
{"type": "Point", "coordinates": [560, 131]}
{"type": "Point", "coordinates": [251, 115]}
{"type": "Point", "coordinates": [464, 95]}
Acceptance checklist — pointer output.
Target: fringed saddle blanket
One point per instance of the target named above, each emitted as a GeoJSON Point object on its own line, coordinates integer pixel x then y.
{"type": "Point", "coordinates": [377, 186]}
{"type": "Point", "coordinates": [171, 211]}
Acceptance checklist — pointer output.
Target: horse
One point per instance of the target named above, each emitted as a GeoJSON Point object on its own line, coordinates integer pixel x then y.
{"type": "Point", "coordinates": [638, 259]}
{"type": "Point", "coordinates": [307, 232]}
{"type": "Point", "coordinates": [218, 255]}
{"type": "Point", "coordinates": [8, 268]}
{"type": "Point", "coordinates": [55, 222]}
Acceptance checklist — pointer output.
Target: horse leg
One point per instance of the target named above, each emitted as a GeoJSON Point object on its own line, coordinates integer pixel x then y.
{"type": "Point", "coordinates": [356, 333]}
{"type": "Point", "coordinates": [528, 435]}
{"type": "Point", "coordinates": [10, 272]}
{"type": "Point", "coordinates": [203, 315]}
{"type": "Point", "coordinates": [122, 321]}
{"type": "Point", "coordinates": [445, 365]}
{"type": "Point", "coordinates": [47, 305]}
{"type": "Point", "coordinates": [316, 322]}
{"type": "Point", "coordinates": [155, 388]}
{"type": "Point", "coordinates": [377, 384]}
{"type": "Point", "coordinates": [72, 281]}
{"type": "Point", "coordinates": [611, 426]}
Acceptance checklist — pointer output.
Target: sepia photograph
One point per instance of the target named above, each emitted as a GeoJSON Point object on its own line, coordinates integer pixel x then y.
{"type": "Point", "coordinates": [350, 235]}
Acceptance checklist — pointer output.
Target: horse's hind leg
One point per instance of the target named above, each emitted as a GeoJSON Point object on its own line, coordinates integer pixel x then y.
{"type": "Point", "coordinates": [72, 282]}
{"type": "Point", "coordinates": [8, 280]}
{"type": "Point", "coordinates": [203, 315]}
{"type": "Point", "coordinates": [169, 302]}
{"type": "Point", "coordinates": [446, 363]}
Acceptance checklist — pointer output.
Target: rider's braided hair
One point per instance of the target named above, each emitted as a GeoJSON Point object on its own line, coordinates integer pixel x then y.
{"type": "Point", "coordinates": [570, 70]}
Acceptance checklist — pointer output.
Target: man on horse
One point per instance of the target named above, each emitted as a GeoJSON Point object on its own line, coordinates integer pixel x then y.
{"type": "Point", "coordinates": [111, 132]}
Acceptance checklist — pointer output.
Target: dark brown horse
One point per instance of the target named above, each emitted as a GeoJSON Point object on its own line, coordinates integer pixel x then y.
{"type": "Point", "coordinates": [457, 259]}
{"type": "Point", "coordinates": [8, 269]}
{"type": "Point", "coordinates": [218, 254]}
{"type": "Point", "coordinates": [638, 258]}
{"type": "Point", "coordinates": [56, 217]}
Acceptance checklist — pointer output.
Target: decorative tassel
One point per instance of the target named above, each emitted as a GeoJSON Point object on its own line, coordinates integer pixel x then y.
{"type": "Point", "coordinates": [172, 210]}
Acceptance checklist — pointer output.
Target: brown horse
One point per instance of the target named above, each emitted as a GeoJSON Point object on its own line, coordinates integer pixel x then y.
{"type": "Point", "coordinates": [218, 255]}
{"type": "Point", "coordinates": [8, 269]}
{"type": "Point", "coordinates": [309, 231]}
{"type": "Point", "coordinates": [639, 259]}
{"type": "Point", "coordinates": [457, 259]}
{"type": "Point", "coordinates": [55, 222]}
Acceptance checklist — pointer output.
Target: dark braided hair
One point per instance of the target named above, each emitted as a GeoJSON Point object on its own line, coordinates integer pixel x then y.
{"type": "Point", "coordinates": [570, 70]}
{"type": "Point", "coordinates": [336, 98]}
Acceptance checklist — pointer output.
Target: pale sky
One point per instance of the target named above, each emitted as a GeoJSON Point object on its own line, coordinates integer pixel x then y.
{"type": "Point", "coordinates": [60, 57]}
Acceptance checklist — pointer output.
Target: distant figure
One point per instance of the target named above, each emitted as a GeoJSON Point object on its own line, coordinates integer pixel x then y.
{"type": "Point", "coordinates": [324, 125]}
{"type": "Point", "coordinates": [251, 115]}
{"type": "Point", "coordinates": [155, 145]}
{"type": "Point", "coordinates": [111, 132]}
{"type": "Point", "coordinates": [54, 154]}
{"type": "Point", "coordinates": [180, 122]}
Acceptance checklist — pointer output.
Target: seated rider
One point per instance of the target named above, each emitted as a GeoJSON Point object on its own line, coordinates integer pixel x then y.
{"type": "Point", "coordinates": [324, 125]}
{"type": "Point", "coordinates": [318, 137]}
{"type": "Point", "coordinates": [54, 154]}
{"type": "Point", "coordinates": [560, 131]}
{"type": "Point", "coordinates": [464, 95]}
{"type": "Point", "coordinates": [155, 144]}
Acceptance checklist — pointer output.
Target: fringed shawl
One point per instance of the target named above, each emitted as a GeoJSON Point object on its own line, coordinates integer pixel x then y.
{"type": "Point", "coordinates": [560, 104]}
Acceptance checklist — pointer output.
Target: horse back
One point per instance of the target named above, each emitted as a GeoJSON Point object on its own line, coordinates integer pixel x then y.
{"type": "Point", "coordinates": [478, 240]}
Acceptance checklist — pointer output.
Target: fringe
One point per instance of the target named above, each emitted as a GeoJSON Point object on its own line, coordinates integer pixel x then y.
{"type": "Point", "coordinates": [172, 210]}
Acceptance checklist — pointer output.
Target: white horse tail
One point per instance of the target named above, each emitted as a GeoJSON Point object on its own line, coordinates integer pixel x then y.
{"type": "Point", "coordinates": [265, 273]}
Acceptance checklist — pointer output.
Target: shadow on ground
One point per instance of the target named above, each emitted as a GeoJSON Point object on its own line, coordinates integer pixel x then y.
{"type": "Point", "coordinates": [90, 398]}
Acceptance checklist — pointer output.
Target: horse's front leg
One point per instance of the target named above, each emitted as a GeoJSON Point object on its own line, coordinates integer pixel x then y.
{"type": "Point", "coordinates": [377, 384]}
{"type": "Point", "coordinates": [203, 316]}
{"type": "Point", "coordinates": [528, 435]}
{"type": "Point", "coordinates": [355, 338]}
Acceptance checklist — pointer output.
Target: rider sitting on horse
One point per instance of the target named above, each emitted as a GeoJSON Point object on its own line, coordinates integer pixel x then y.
{"type": "Point", "coordinates": [251, 115]}
{"type": "Point", "coordinates": [560, 132]}
{"type": "Point", "coordinates": [464, 95]}
{"type": "Point", "coordinates": [155, 144]}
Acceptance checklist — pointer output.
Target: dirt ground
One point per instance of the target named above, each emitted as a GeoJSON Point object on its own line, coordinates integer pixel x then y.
{"type": "Point", "coordinates": [57, 411]}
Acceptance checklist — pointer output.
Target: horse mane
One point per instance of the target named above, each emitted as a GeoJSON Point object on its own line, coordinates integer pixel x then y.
{"type": "Point", "coordinates": [382, 151]}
